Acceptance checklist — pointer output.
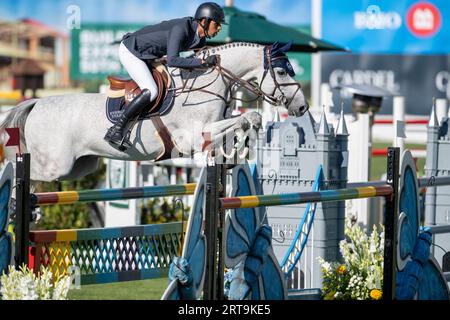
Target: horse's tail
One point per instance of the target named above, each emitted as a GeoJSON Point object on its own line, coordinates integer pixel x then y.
{"type": "Point", "coordinates": [16, 118]}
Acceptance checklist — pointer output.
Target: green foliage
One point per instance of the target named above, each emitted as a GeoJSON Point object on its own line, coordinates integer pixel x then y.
{"type": "Point", "coordinates": [159, 210]}
{"type": "Point", "coordinates": [72, 216]}
{"type": "Point", "coordinates": [59, 217]}
{"type": "Point", "coordinates": [93, 85]}
{"type": "Point", "coordinates": [360, 276]}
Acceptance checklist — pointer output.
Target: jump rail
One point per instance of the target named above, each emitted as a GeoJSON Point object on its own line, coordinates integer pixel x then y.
{"type": "Point", "coordinates": [409, 121]}
{"type": "Point", "coordinates": [306, 197]}
{"type": "Point", "coordinates": [70, 197]}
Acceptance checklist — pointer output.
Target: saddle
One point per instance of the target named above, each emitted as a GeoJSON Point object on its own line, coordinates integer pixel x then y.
{"type": "Point", "coordinates": [128, 89]}
{"type": "Point", "coordinates": [123, 90]}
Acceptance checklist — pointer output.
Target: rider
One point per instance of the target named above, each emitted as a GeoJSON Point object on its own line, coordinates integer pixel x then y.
{"type": "Point", "coordinates": [151, 42]}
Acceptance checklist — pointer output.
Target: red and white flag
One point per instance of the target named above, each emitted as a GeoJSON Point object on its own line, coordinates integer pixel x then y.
{"type": "Point", "coordinates": [14, 137]}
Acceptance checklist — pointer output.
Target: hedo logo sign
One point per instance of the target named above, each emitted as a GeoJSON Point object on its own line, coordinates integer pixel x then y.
{"type": "Point", "coordinates": [423, 19]}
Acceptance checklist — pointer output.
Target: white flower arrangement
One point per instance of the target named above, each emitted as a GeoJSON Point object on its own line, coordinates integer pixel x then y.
{"type": "Point", "coordinates": [23, 284]}
{"type": "Point", "coordinates": [360, 276]}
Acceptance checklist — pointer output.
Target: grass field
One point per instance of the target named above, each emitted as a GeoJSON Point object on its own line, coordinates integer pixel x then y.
{"type": "Point", "coordinates": [154, 288]}
{"type": "Point", "coordinates": [131, 290]}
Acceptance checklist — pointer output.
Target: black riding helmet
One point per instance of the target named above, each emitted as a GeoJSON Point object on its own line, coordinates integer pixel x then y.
{"type": "Point", "coordinates": [212, 12]}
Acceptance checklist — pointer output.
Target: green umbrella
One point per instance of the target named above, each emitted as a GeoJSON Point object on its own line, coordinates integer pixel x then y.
{"type": "Point", "coordinates": [252, 27]}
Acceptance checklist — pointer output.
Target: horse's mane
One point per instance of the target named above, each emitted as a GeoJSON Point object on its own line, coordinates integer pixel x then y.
{"type": "Point", "coordinates": [226, 46]}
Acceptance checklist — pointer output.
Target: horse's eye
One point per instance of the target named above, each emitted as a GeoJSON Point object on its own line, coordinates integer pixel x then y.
{"type": "Point", "coordinates": [281, 72]}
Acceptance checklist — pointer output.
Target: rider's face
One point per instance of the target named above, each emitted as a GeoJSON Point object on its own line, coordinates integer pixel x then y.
{"type": "Point", "coordinates": [214, 28]}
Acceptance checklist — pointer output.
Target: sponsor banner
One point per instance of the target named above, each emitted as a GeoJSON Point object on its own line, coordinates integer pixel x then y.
{"type": "Point", "coordinates": [386, 26]}
{"type": "Point", "coordinates": [418, 78]}
{"type": "Point", "coordinates": [94, 56]}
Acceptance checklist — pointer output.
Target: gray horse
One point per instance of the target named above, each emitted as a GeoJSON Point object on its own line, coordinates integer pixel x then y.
{"type": "Point", "coordinates": [64, 134]}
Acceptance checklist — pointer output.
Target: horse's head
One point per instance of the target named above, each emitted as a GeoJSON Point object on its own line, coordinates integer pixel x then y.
{"type": "Point", "coordinates": [278, 83]}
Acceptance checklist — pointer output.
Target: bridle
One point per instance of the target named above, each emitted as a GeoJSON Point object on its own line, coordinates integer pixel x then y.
{"type": "Point", "coordinates": [280, 99]}
{"type": "Point", "coordinates": [256, 89]}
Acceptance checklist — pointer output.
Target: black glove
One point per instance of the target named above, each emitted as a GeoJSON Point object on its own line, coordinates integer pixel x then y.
{"type": "Point", "coordinates": [211, 61]}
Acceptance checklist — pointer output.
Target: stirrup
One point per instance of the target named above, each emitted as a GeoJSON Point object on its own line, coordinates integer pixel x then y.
{"type": "Point", "coordinates": [126, 143]}
{"type": "Point", "coordinates": [117, 144]}
{"type": "Point", "coordinates": [121, 145]}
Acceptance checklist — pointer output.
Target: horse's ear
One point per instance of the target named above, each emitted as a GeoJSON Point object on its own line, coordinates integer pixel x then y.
{"type": "Point", "coordinates": [286, 47]}
{"type": "Point", "coordinates": [275, 46]}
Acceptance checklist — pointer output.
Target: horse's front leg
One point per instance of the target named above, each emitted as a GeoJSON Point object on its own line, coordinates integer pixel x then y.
{"type": "Point", "coordinates": [217, 130]}
{"type": "Point", "coordinates": [233, 137]}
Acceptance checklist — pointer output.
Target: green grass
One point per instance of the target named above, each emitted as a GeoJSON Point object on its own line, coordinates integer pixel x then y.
{"type": "Point", "coordinates": [378, 164]}
{"type": "Point", "coordinates": [151, 289]}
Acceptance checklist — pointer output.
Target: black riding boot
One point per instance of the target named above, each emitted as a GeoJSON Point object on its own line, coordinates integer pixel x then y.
{"type": "Point", "coordinates": [115, 134]}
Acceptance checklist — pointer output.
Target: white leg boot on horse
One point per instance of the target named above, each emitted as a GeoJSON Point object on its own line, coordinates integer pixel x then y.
{"type": "Point", "coordinates": [234, 137]}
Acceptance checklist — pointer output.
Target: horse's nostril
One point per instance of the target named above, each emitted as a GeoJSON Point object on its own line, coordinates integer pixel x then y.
{"type": "Point", "coordinates": [303, 109]}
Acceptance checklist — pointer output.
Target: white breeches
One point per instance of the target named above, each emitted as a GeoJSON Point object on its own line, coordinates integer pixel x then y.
{"type": "Point", "coordinates": [138, 71]}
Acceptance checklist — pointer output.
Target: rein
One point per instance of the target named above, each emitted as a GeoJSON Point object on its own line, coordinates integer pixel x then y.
{"type": "Point", "coordinates": [254, 88]}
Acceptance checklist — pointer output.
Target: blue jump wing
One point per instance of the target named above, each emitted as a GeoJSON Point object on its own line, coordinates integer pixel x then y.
{"type": "Point", "coordinates": [248, 242]}
{"type": "Point", "coordinates": [409, 213]}
{"type": "Point", "coordinates": [5, 252]}
{"type": "Point", "coordinates": [194, 249]}
{"type": "Point", "coordinates": [433, 285]}
{"type": "Point", "coordinates": [6, 183]}
{"type": "Point", "coordinates": [418, 274]}
{"type": "Point", "coordinates": [273, 280]}
{"type": "Point", "coordinates": [241, 224]}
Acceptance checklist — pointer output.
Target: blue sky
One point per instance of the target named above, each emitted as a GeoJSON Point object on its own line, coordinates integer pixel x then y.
{"type": "Point", "coordinates": [54, 12]}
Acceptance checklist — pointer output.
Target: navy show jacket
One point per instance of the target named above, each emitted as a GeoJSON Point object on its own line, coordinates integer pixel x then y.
{"type": "Point", "coordinates": [166, 38]}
